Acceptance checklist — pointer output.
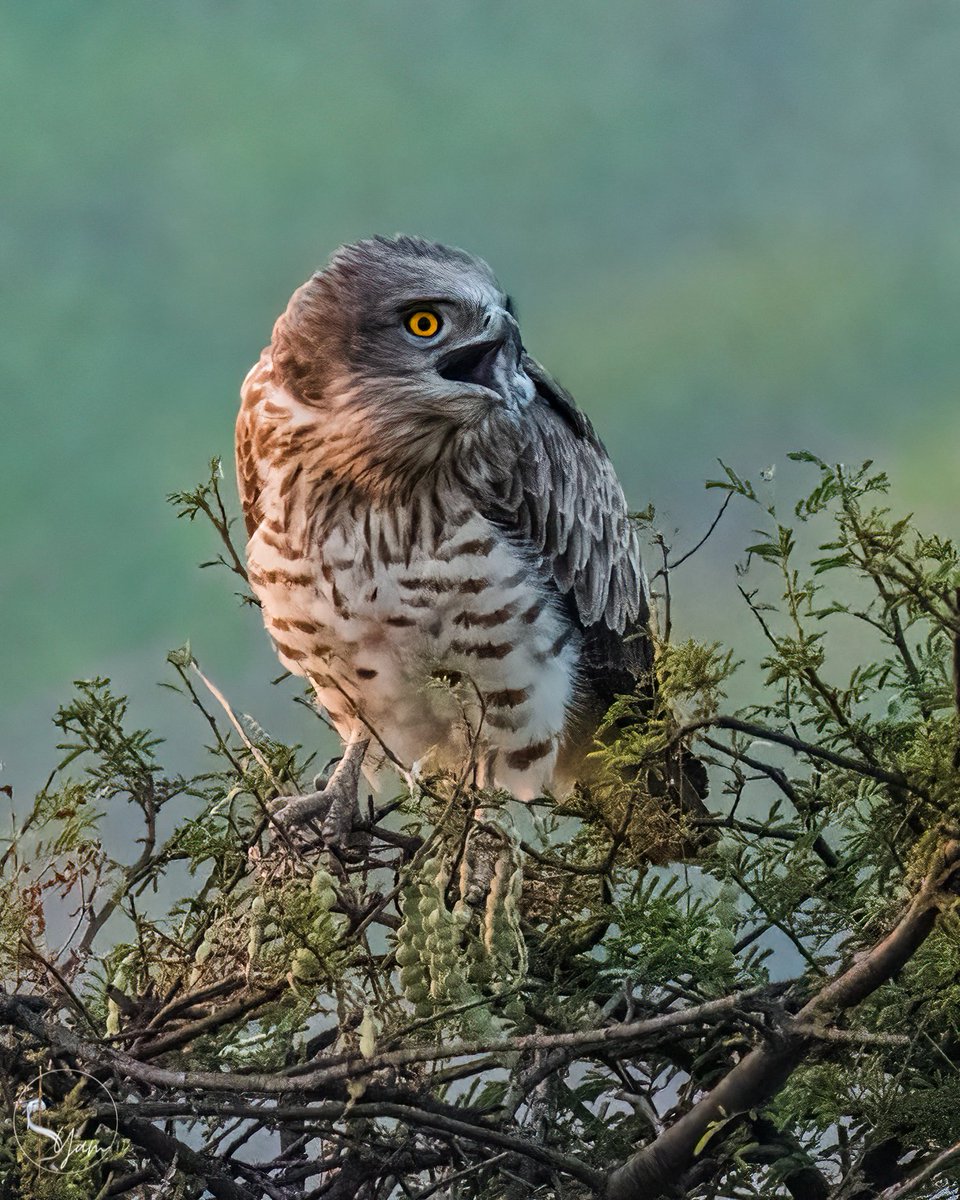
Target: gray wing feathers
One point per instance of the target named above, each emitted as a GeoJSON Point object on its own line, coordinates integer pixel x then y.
{"type": "Point", "coordinates": [575, 517]}
{"type": "Point", "coordinates": [574, 514]}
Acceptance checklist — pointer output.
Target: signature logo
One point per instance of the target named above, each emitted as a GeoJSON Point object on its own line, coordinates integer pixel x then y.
{"type": "Point", "coordinates": [52, 1121]}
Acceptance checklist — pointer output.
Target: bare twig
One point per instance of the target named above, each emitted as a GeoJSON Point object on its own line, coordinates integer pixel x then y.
{"type": "Point", "coordinates": [713, 524]}
{"type": "Point", "coordinates": [821, 753]}
{"type": "Point", "coordinates": [930, 1169]}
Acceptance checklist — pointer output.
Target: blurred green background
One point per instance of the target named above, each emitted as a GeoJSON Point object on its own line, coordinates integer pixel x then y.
{"type": "Point", "coordinates": [730, 227]}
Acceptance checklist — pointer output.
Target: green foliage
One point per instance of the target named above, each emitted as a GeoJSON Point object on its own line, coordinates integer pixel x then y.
{"type": "Point", "coordinates": [468, 931]}
{"type": "Point", "coordinates": [119, 760]}
{"type": "Point", "coordinates": [667, 935]}
{"type": "Point", "coordinates": [207, 500]}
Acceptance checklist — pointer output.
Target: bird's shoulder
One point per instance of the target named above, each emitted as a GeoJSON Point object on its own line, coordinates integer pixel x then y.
{"type": "Point", "coordinates": [567, 508]}
{"type": "Point", "coordinates": [248, 441]}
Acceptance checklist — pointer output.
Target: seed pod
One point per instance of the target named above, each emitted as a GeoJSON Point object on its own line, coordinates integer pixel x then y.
{"type": "Point", "coordinates": [516, 946]}
{"type": "Point", "coordinates": [412, 924]}
{"type": "Point", "coordinates": [411, 976]}
{"type": "Point", "coordinates": [502, 937]}
{"type": "Point", "coordinates": [322, 886]}
{"type": "Point", "coordinates": [255, 935]}
{"type": "Point", "coordinates": [305, 967]}
{"type": "Point", "coordinates": [368, 1034]}
{"type": "Point", "coordinates": [433, 943]}
{"type": "Point", "coordinates": [464, 881]}
{"type": "Point", "coordinates": [494, 901]}
{"type": "Point", "coordinates": [406, 955]}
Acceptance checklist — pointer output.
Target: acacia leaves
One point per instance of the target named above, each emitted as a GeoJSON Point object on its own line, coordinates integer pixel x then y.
{"type": "Point", "coordinates": [483, 999]}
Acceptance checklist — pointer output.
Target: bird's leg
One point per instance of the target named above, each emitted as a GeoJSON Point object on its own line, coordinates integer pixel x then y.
{"type": "Point", "coordinates": [336, 802]}
{"type": "Point", "coordinates": [343, 792]}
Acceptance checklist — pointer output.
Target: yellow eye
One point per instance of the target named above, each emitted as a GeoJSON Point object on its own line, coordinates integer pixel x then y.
{"type": "Point", "coordinates": [423, 323]}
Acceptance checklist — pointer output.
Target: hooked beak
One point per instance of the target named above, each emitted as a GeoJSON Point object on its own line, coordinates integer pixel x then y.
{"type": "Point", "coordinates": [492, 363]}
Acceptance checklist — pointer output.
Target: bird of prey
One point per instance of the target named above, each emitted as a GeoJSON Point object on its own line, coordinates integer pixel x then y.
{"type": "Point", "coordinates": [437, 536]}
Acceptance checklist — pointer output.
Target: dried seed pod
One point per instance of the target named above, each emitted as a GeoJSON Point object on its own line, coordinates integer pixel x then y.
{"type": "Point", "coordinates": [113, 1017]}
{"type": "Point", "coordinates": [258, 923]}
{"type": "Point", "coordinates": [368, 1034]}
{"type": "Point", "coordinates": [502, 937]}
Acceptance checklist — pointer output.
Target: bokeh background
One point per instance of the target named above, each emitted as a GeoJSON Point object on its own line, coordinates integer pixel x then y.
{"type": "Point", "coordinates": [730, 226]}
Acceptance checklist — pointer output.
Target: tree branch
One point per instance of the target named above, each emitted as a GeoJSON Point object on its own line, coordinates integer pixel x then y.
{"type": "Point", "coordinates": [13, 1011]}
{"type": "Point", "coordinates": [931, 1168]}
{"type": "Point", "coordinates": [858, 767]}
{"type": "Point", "coordinates": [167, 1149]}
{"type": "Point", "coordinates": [761, 1074]}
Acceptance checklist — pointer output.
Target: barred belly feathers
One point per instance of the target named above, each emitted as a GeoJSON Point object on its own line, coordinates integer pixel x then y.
{"type": "Point", "coordinates": [436, 535]}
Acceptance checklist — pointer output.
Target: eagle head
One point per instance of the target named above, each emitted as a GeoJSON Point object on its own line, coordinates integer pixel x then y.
{"type": "Point", "coordinates": [408, 353]}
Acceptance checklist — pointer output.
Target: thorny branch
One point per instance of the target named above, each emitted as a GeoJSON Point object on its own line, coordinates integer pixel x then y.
{"type": "Point", "coordinates": [346, 1018]}
{"type": "Point", "coordinates": [652, 1172]}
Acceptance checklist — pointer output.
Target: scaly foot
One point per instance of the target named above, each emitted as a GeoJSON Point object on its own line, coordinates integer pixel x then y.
{"type": "Point", "coordinates": [334, 804]}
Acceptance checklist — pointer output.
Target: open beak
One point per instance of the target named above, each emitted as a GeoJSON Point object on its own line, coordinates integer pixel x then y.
{"type": "Point", "coordinates": [492, 363]}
